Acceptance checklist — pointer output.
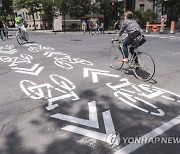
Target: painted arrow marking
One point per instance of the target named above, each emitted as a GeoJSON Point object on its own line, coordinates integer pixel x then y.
{"type": "Point", "coordinates": [93, 119]}
{"type": "Point", "coordinates": [96, 72]}
{"type": "Point", "coordinates": [50, 54]}
{"type": "Point", "coordinates": [92, 122]}
{"type": "Point", "coordinates": [30, 71]}
{"type": "Point", "coordinates": [109, 127]}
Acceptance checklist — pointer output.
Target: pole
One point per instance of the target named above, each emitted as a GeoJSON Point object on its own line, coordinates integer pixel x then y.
{"type": "Point", "coordinates": [64, 17]}
{"type": "Point", "coordinates": [124, 6]}
{"type": "Point", "coordinates": [5, 15]}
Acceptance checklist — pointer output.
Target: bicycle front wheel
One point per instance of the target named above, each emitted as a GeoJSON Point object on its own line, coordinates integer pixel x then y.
{"type": "Point", "coordinates": [19, 38]}
{"type": "Point", "coordinates": [144, 66]}
{"type": "Point", "coordinates": [115, 57]}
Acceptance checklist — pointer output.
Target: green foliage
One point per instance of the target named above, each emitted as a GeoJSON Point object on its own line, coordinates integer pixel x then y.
{"type": "Point", "coordinates": [143, 17]}
{"type": "Point", "coordinates": [6, 9]}
{"type": "Point", "coordinates": [77, 8]}
{"type": "Point", "coordinates": [31, 5]}
{"type": "Point", "coordinates": [49, 9]}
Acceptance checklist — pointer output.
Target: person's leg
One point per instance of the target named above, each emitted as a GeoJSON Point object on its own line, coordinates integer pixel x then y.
{"type": "Point", "coordinates": [126, 43]}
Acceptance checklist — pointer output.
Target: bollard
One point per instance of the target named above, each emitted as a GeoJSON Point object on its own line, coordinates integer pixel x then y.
{"type": "Point", "coordinates": [147, 27]}
{"type": "Point", "coordinates": [172, 30]}
{"type": "Point", "coordinates": [162, 28]}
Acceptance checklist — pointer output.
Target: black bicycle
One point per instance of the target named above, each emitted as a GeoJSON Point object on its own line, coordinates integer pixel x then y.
{"type": "Point", "coordinates": [141, 63]}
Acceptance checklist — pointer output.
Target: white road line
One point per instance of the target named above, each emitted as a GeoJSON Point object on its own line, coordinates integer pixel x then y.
{"type": "Point", "coordinates": [164, 37]}
{"type": "Point", "coordinates": [172, 99]}
{"type": "Point", "coordinates": [176, 53]}
{"type": "Point", "coordinates": [154, 133]}
{"type": "Point", "coordinates": [173, 38]}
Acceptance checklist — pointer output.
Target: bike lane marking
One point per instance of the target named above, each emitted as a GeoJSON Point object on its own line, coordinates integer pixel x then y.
{"type": "Point", "coordinates": [106, 115]}
{"type": "Point", "coordinates": [154, 133]}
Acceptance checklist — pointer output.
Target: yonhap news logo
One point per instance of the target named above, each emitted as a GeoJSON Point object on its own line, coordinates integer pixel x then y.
{"type": "Point", "coordinates": [114, 139]}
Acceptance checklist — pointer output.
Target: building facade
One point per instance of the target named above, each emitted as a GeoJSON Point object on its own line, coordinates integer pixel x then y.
{"type": "Point", "coordinates": [60, 21]}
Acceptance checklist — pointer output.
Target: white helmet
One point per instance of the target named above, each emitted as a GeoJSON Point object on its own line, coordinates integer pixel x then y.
{"type": "Point", "coordinates": [19, 14]}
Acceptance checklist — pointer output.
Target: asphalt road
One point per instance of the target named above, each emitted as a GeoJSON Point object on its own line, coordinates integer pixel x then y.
{"type": "Point", "coordinates": [58, 95]}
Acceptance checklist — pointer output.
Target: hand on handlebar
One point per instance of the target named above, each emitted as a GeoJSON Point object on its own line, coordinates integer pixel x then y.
{"type": "Point", "coordinates": [117, 39]}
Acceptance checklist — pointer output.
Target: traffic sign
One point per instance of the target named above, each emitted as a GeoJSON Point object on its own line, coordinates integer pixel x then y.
{"type": "Point", "coordinates": [163, 18]}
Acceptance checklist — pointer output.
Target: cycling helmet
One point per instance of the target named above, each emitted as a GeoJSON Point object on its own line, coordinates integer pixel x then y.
{"type": "Point", "coordinates": [19, 14]}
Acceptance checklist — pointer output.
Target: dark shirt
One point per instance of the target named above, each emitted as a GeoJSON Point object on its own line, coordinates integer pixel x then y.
{"type": "Point", "coordinates": [130, 26]}
{"type": "Point", "coordinates": [1, 25]}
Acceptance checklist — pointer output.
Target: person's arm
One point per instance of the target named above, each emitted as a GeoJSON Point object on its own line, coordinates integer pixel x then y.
{"type": "Point", "coordinates": [123, 27]}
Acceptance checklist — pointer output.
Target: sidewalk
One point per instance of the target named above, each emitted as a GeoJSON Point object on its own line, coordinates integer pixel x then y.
{"type": "Point", "coordinates": [177, 32]}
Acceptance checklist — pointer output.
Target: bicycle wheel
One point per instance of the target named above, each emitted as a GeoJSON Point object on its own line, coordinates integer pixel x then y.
{"type": "Point", "coordinates": [145, 68]}
{"type": "Point", "coordinates": [19, 38]}
{"type": "Point", "coordinates": [115, 57]}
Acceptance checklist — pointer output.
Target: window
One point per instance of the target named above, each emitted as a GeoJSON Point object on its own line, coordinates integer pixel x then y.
{"type": "Point", "coordinates": [141, 7]}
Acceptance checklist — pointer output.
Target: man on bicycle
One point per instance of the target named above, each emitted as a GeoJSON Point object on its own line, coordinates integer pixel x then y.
{"type": "Point", "coordinates": [133, 29]}
{"type": "Point", "coordinates": [20, 24]}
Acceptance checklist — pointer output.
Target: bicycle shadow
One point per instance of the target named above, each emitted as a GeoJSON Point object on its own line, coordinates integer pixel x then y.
{"type": "Point", "coordinates": [30, 42]}
{"type": "Point", "coordinates": [129, 71]}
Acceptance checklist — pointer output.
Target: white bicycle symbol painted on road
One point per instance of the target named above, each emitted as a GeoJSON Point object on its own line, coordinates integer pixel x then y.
{"type": "Point", "coordinates": [137, 96]}
{"type": "Point", "coordinates": [63, 87]}
{"type": "Point", "coordinates": [66, 61]}
{"type": "Point", "coordinates": [37, 47]}
{"type": "Point", "coordinates": [24, 58]}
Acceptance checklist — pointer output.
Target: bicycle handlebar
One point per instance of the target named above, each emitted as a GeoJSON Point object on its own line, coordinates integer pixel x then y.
{"type": "Point", "coordinates": [119, 41]}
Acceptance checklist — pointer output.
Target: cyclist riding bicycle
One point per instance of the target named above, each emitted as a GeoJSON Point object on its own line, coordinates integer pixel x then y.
{"type": "Point", "coordinates": [21, 24]}
{"type": "Point", "coordinates": [133, 30]}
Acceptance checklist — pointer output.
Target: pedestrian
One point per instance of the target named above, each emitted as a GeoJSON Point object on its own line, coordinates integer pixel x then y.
{"type": "Point", "coordinates": [5, 28]}
{"type": "Point", "coordinates": [102, 28]}
{"type": "Point", "coordinates": [1, 28]}
{"type": "Point", "coordinates": [90, 26]}
{"type": "Point", "coordinates": [84, 26]}
{"type": "Point", "coordinates": [117, 26]}
{"type": "Point", "coordinates": [96, 27]}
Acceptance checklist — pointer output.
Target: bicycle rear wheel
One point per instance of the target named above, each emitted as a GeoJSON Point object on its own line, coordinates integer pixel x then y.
{"type": "Point", "coordinates": [145, 68]}
{"type": "Point", "coordinates": [115, 57]}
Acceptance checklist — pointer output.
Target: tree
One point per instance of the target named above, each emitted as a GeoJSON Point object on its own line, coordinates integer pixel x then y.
{"type": "Point", "coordinates": [76, 8]}
{"type": "Point", "coordinates": [110, 10]}
{"type": "Point", "coordinates": [33, 6]}
{"type": "Point", "coordinates": [172, 9]}
{"type": "Point", "coordinates": [143, 17]}
{"type": "Point", "coordinates": [6, 9]}
{"type": "Point", "coordinates": [50, 9]}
